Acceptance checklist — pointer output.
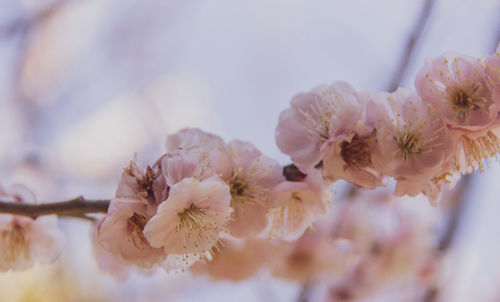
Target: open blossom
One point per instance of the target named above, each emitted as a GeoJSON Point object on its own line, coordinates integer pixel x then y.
{"type": "Point", "coordinates": [120, 233]}
{"type": "Point", "coordinates": [253, 177]}
{"type": "Point", "coordinates": [458, 88]}
{"type": "Point", "coordinates": [295, 205]}
{"type": "Point", "coordinates": [330, 124]}
{"type": "Point", "coordinates": [463, 92]}
{"type": "Point", "coordinates": [191, 219]}
{"type": "Point", "coordinates": [414, 144]}
{"type": "Point", "coordinates": [24, 240]}
{"type": "Point", "coordinates": [493, 72]}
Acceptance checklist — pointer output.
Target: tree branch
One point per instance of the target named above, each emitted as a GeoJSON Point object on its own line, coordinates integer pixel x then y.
{"type": "Point", "coordinates": [76, 207]}
{"type": "Point", "coordinates": [79, 206]}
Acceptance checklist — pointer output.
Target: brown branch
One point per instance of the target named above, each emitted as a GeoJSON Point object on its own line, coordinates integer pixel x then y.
{"type": "Point", "coordinates": [79, 206]}
{"type": "Point", "coordinates": [76, 207]}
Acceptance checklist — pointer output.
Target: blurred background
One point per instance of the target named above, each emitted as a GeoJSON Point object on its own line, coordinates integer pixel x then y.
{"type": "Point", "coordinates": [84, 84]}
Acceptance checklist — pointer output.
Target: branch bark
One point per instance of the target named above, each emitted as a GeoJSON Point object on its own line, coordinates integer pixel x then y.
{"type": "Point", "coordinates": [76, 207]}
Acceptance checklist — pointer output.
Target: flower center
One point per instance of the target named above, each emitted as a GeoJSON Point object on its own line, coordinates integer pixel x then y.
{"type": "Point", "coordinates": [409, 143]}
{"type": "Point", "coordinates": [135, 228]}
{"type": "Point", "coordinates": [357, 152]}
{"type": "Point", "coordinates": [193, 218]}
{"type": "Point", "coordinates": [17, 243]}
{"type": "Point", "coordinates": [465, 99]}
{"type": "Point", "coordinates": [238, 187]}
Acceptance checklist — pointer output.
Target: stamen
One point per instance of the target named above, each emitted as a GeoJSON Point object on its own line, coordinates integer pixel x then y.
{"type": "Point", "coordinates": [479, 150]}
{"type": "Point", "coordinates": [135, 227]}
{"type": "Point", "coordinates": [465, 99]}
{"type": "Point", "coordinates": [243, 188]}
{"type": "Point", "coordinates": [17, 244]}
{"type": "Point", "coordinates": [200, 227]}
{"type": "Point", "coordinates": [317, 120]}
{"type": "Point", "coordinates": [409, 143]}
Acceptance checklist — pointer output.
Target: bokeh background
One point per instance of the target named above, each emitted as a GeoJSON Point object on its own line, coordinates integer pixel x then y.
{"type": "Point", "coordinates": [84, 84]}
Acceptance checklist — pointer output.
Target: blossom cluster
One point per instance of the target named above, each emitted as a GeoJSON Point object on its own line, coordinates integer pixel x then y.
{"type": "Point", "coordinates": [227, 210]}
{"type": "Point", "coordinates": [214, 206]}
{"type": "Point", "coordinates": [201, 197]}
{"type": "Point", "coordinates": [421, 138]}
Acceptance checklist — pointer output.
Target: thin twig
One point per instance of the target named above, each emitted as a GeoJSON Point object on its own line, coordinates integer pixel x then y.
{"type": "Point", "coordinates": [74, 207]}
{"type": "Point", "coordinates": [450, 232]}
{"type": "Point", "coordinates": [304, 293]}
{"type": "Point", "coordinates": [414, 37]}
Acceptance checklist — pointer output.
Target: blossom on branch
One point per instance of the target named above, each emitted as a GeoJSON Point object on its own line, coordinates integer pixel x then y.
{"type": "Point", "coordinates": [24, 240]}
{"type": "Point", "coordinates": [330, 125]}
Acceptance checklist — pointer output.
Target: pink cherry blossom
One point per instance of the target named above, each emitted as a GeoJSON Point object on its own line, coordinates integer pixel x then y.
{"type": "Point", "coordinates": [120, 233]}
{"type": "Point", "coordinates": [458, 88]}
{"type": "Point", "coordinates": [144, 185]}
{"type": "Point", "coordinates": [493, 72]}
{"type": "Point", "coordinates": [191, 219]}
{"type": "Point", "coordinates": [198, 162]}
{"type": "Point", "coordinates": [251, 181]}
{"type": "Point", "coordinates": [23, 240]}
{"type": "Point", "coordinates": [312, 257]}
{"type": "Point", "coordinates": [413, 141]}
{"type": "Point", "coordinates": [106, 261]}
{"type": "Point", "coordinates": [295, 205]}
{"type": "Point", "coordinates": [330, 124]}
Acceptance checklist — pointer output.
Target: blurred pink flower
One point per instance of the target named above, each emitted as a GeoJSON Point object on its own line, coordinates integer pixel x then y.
{"type": "Point", "coordinates": [294, 205]}
{"type": "Point", "coordinates": [237, 259]}
{"type": "Point", "coordinates": [193, 137]}
{"type": "Point", "coordinates": [23, 240]}
{"type": "Point", "coordinates": [190, 220]}
{"type": "Point", "coordinates": [312, 257]}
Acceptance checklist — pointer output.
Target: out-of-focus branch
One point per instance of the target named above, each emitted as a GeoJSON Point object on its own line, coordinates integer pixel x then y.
{"type": "Point", "coordinates": [415, 35]}
{"type": "Point", "coordinates": [304, 293]}
{"type": "Point", "coordinates": [76, 207]}
{"type": "Point", "coordinates": [25, 23]}
{"type": "Point", "coordinates": [455, 214]}
{"type": "Point", "coordinates": [450, 231]}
